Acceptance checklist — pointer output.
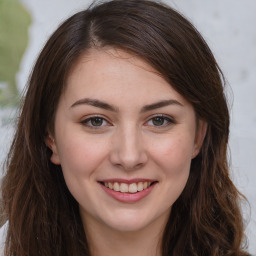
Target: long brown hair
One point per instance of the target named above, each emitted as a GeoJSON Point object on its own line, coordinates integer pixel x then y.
{"type": "Point", "coordinates": [43, 216]}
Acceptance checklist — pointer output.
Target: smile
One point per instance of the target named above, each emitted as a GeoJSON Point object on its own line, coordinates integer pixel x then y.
{"type": "Point", "coordinates": [128, 191]}
{"type": "Point", "coordinates": [128, 188]}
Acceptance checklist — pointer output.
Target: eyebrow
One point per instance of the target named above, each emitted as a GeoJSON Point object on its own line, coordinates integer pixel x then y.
{"type": "Point", "coordinates": [95, 103]}
{"type": "Point", "coordinates": [104, 105]}
{"type": "Point", "coordinates": [160, 104]}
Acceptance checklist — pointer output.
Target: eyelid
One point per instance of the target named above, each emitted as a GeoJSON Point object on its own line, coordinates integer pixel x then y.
{"type": "Point", "coordinates": [86, 119]}
{"type": "Point", "coordinates": [169, 119]}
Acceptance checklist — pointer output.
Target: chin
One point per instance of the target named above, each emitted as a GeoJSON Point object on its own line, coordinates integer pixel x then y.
{"type": "Point", "coordinates": [128, 225]}
{"type": "Point", "coordinates": [133, 221]}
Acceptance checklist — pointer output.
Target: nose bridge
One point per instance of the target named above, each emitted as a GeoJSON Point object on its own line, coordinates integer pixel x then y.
{"type": "Point", "coordinates": [128, 148]}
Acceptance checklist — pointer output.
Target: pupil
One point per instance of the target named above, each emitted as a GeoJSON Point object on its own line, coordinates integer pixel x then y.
{"type": "Point", "coordinates": [97, 121]}
{"type": "Point", "coordinates": [158, 121]}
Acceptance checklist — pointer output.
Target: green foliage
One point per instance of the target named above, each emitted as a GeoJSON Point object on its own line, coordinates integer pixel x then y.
{"type": "Point", "coordinates": [14, 23]}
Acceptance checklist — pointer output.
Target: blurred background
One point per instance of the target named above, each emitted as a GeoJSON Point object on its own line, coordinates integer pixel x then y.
{"type": "Point", "coordinates": [229, 27]}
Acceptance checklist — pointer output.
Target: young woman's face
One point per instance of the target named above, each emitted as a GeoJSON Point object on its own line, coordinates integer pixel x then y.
{"type": "Point", "coordinates": [124, 139]}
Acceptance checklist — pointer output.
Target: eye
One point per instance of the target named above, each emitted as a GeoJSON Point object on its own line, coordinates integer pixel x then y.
{"type": "Point", "coordinates": [160, 121]}
{"type": "Point", "coordinates": [95, 122]}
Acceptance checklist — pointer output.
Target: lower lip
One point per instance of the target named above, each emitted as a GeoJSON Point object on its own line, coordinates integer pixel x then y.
{"type": "Point", "coordinates": [128, 197]}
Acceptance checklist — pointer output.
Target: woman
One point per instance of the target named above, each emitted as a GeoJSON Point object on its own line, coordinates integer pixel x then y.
{"type": "Point", "coordinates": [121, 145]}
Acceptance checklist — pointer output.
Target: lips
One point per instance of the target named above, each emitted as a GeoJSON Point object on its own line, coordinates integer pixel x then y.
{"type": "Point", "coordinates": [128, 190]}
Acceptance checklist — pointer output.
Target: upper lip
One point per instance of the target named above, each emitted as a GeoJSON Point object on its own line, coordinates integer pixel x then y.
{"type": "Point", "coordinates": [130, 181]}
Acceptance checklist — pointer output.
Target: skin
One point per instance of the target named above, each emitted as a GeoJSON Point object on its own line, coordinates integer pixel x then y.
{"type": "Point", "coordinates": [130, 142]}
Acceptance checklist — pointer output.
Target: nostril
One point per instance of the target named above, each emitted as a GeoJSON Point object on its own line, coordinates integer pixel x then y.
{"type": "Point", "coordinates": [128, 153]}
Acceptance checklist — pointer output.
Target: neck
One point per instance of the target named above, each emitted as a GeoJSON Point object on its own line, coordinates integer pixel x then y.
{"type": "Point", "coordinates": [105, 241]}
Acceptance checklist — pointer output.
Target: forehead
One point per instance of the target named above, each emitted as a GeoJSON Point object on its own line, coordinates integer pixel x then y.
{"type": "Point", "coordinates": [113, 73]}
{"type": "Point", "coordinates": [109, 61]}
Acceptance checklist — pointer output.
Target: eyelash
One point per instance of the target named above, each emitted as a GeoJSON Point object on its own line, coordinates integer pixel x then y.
{"type": "Point", "coordinates": [90, 119]}
{"type": "Point", "coordinates": [166, 119]}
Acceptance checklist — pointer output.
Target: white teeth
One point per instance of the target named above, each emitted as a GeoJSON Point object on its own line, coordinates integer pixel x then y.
{"type": "Point", "coordinates": [116, 186]}
{"type": "Point", "coordinates": [125, 188]}
{"type": "Point", "coordinates": [140, 186]}
{"type": "Point", "coordinates": [133, 188]}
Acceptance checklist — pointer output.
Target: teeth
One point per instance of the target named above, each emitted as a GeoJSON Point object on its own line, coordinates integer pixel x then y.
{"type": "Point", "coordinates": [140, 186]}
{"type": "Point", "coordinates": [133, 188]}
{"type": "Point", "coordinates": [116, 186]}
{"type": "Point", "coordinates": [125, 188]}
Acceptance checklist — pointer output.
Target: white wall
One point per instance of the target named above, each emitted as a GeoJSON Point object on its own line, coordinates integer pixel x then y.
{"type": "Point", "coordinates": [229, 28]}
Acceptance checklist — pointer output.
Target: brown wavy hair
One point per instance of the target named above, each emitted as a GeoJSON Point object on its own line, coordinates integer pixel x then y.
{"type": "Point", "coordinates": [43, 216]}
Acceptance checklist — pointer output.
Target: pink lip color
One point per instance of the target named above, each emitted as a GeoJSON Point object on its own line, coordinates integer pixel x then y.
{"type": "Point", "coordinates": [127, 181]}
{"type": "Point", "coordinates": [128, 197]}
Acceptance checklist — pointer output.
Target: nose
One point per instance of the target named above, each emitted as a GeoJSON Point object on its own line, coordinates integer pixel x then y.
{"type": "Point", "coordinates": [128, 150]}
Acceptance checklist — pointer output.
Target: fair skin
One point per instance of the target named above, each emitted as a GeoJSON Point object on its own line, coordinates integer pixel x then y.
{"type": "Point", "coordinates": [125, 140]}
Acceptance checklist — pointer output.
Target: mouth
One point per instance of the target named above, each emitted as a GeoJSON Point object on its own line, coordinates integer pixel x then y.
{"type": "Point", "coordinates": [130, 187]}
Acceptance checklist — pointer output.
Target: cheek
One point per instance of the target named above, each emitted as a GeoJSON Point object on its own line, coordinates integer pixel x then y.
{"type": "Point", "coordinates": [172, 155]}
{"type": "Point", "coordinates": [175, 152]}
{"type": "Point", "coordinates": [81, 156]}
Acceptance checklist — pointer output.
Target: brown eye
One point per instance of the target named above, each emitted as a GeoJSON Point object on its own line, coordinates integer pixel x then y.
{"type": "Point", "coordinates": [96, 121]}
{"type": "Point", "coordinates": [158, 121]}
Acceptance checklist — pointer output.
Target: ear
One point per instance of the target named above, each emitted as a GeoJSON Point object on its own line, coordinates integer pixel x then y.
{"type": "Point", "coordinates": [199, 138]}
{"type": "Point", "coordinates": [51, 144]}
